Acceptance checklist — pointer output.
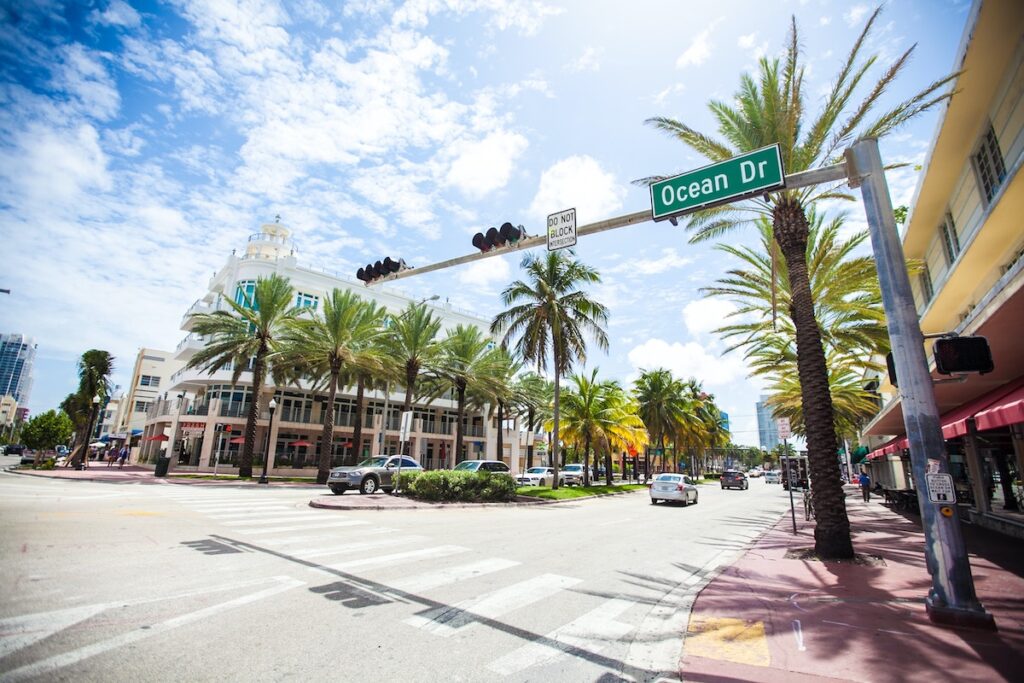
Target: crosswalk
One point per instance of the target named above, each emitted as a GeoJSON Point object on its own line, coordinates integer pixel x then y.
{"type": "Point", "coordinates": [451, 590]}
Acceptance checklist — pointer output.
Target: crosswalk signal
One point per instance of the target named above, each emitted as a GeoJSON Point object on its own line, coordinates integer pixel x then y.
{"type": "Point", "coordinates": [962, 354]}
{"type": "Point", "coordinates": [381, 269]}
{"type": "Point", "coordinates": [506, 235]}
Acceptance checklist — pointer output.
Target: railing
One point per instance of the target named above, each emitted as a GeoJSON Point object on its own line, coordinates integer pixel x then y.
{"type": "Point", "coordinates": [344, 419]}
{"type": "Point", "coordinates": [473, 430]}
{"type": "Point", "coordinates": [234, 410]}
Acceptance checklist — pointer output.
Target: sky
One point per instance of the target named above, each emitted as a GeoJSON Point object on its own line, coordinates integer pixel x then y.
{"type": "Point", "coordinates": [140, 142]}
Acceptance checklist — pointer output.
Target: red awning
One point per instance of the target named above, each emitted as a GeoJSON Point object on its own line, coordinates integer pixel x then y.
{"type": "Point", "coordinates": [954, 423]}
{"type": "Point", "coordinates": [158, 437]}
{"type": "Point", "coordinates": [301, 442]}
{"type": "Point", "coordinates": [237, 439]}
{"type": "Point", "coordinates": [1008, 410]}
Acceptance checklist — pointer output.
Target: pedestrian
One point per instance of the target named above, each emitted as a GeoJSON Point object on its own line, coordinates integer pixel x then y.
{"type": "Point", "coordinates": [865, 486]}
{"type": "Point", "coordinates": [122, 457]}
{"type": "Point", "coordinates": [111, 456]}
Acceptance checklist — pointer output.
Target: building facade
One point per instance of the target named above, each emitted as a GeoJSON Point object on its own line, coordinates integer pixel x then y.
{"type": "Point", "coordinates": [17, 355]}
{"type": "Point", "coordinates": [965, 225]}
{"type": "Point", "coordinates": [198, 418]}
{"type": "Point", "coordinates": [767, 432]}
{"type": "Point", "coordinates": [151, 376]}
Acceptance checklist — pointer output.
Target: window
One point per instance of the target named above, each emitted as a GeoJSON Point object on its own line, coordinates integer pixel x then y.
{"type": "Point", "coordinates": [303, 300]}
{"type": "Point", "coordinates": [927, 290]}
{"type": "Point", "coordinates": [149, 381]}
{"type": "Point", "coordinates": [245, 291]}
{"type": "Point", "coordinates": [158, 359]}
{"type": "Point", "coordinates": [141, 406]}
{"type": "Point", "coordinates": [950, 242]}
{"type": "Point", "coordinates": [988, 162]}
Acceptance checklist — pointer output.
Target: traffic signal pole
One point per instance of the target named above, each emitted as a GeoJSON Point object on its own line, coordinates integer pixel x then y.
{"type": "Point", "coordinates": [952, 599]}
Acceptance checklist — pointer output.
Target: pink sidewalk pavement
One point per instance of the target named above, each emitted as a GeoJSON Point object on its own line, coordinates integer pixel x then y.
{"type": "Point", "coordinates": [769, 618]}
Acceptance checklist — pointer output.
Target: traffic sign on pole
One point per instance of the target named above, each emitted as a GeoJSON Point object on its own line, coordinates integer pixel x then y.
{"type": "Point", "coordinates": [742, 176]}
{"type": "Point", "coordinates": [783, 426]}
{"type": "Point", "coordinates": [562, 230]}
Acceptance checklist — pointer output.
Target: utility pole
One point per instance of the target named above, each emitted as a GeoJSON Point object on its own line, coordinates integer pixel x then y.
{"type": "Point", "coordinates": [952, 599]}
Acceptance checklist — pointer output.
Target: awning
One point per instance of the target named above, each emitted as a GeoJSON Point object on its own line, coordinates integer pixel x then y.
{"type": "Point", "coordinates": [890, 446]}
{"type": "Point", "coordinates": [158, 437]}
{"type": "Point", "coordinates": [1008, 410]}
{"type": "Point", "coordinates": [954, 423]}
{"type": "Point", "coordinates": [237, 439]}
{"type": "Point", "coordinates": [136, 432]}
{"type": "Point", "coordinates": [299, 443]}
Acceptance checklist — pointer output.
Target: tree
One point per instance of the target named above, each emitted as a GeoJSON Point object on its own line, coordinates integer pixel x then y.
{"type": "Point", "coordinates": [251, 331]}
{"type": "Point", "coordinates": [770, 109]}
{"type": "Point", "coordinates": [46, 430]}
{"type": "Point", "coordinates": [344, 337]}
{"type": "Point", "coordinates": [534, 396]}
{"type": "Point", "coordinates": [412, 342]}
{"type": "Point", "coordinates": [548, 319]}
{"type": "Point", "coordinates": [94, 369]}
{"type": "Point", "coordinates": [661, 406]}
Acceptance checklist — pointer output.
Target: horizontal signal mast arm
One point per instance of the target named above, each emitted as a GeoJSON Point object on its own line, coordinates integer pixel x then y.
{"type": "Point", "coordinates": [794, 181]}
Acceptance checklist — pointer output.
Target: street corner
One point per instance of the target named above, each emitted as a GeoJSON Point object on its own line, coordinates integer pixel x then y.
{"type": "Point", "coordinates": [729, 639]}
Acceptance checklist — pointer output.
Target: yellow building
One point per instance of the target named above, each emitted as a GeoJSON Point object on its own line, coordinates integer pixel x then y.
{"type": "Point", "coordinates": [967, 225]}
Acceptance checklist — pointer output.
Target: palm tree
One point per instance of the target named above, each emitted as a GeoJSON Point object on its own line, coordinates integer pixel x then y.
{"type": "Point", "coordinates": [251, 330]}
{"type": "Point", "coordinates": [466, 364]}
{"type": "Point", "coordinates": [659, 396]}
{"type": "Point", "coordinates": [534, 397]}
{"type": "Point", "coordinates": [94, 370]}
{"type": "Point", "coordinates": [342, 338]}
{"type": "Point", "coordinates": [549, 316]}
{"type": "Point", "coordinates": [503, 391]}
{"type": "Point", "coordinates": [412, 341]}
{"type": "Point", "coordinates": [770, 109]}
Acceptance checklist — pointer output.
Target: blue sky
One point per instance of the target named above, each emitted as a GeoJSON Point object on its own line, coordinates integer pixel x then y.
{"type": "Point", "coordinates": [140, 142]}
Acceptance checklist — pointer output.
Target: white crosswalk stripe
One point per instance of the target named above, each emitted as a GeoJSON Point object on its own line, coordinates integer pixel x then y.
{"type": "Point", "coordinates": [304, 527]}
{"type": "Point", "coordinates": [592, 632]}
{"type": "Point", "coordinates": [287, 517]}
{"type": "Point", "coordinates": [233, 513]}
{"type": "Point", "coordinates": [446, 621]}
{"type": "Point", "coordinates": [353, 547]}
{"type": "Point", "coordinates": [450, 575]}
{"type": "Point", "coordinates": [399, 558]}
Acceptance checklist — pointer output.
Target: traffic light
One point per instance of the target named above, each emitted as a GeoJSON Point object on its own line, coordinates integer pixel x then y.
{"type": "Point", "coordinates": [222, 427]}
{"type": "Point", "coordinates": [380, 269]}
{"type": "Point", "coordinates": [962, 354]}
{"type": "Point", "coordinates": [506, 235]}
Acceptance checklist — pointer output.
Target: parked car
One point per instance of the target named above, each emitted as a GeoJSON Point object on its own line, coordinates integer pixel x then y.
{"type": "Point", "coordinates": [773, 477]}
{"type": "Point", "coordinates": [14, 449]}
{"type": "Point", "coordinates": [673, 487]}
{"type": "Point", "coordinates": [539, 476]}
{"type": "Point", "coordinates": [755, 472]}
{"type": "Point", "coordinates": [573, 474]}
{"type": "Point", "coordinates": [482, 466]}
{"type": "Point", "coordinates": [28, 457]}
{"type": "Point", "coordinates": [377, 472]}
{"type": "Point", "coordinates": [734, 479]}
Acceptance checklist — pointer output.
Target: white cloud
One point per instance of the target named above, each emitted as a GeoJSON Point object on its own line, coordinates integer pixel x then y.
{"type": "Point", "coordinates": [688, 359]}
{"type": "Point", "coordinates": [855, 14]}
{"type": "Point", "coordinates": [673, 89]}
{"type": "Point", "coordinates": [699, 50]}
{"type": "Point", "coordinates": [482, 166]}
{"type": "Point", "coordinates": [746, 42]}
{"type": "Point", "coordinates": [668, 260]}
{"type": "Point", "coordinates": [117, 13]}
{"type": "Point", "coordinates": [485, 273]}
{"type": "Point", "coordinates": [588, 61]}
{"type": "Point", "coordinates": [705, 315]}
{"type": "Point", "coordinates": [824, 21]}
{"type": "Point", "coordinates": [578, 181]}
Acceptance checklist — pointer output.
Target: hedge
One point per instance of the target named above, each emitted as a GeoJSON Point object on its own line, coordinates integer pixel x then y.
{"type": "Point", "coordinates": [452, 486]}
{"type": "Point", "coordinates": [711, 475]}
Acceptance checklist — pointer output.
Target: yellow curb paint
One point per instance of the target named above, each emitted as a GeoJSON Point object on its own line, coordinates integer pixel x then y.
{"type": "Point", "coordinates": [728, 639]}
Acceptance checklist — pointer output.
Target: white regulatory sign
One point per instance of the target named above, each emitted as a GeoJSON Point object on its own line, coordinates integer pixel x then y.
{"type": "Point", "coordinates": [782, 424]}
{"type": "Point", "coordinates": [562, 230]}
{"type": "Point", "coordinates": [940, 488]}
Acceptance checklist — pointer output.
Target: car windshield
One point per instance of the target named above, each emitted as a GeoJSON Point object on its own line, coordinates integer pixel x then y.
{"type": "Point", "coordinates": [471, 466]}
{"type": "Point", "coordinates": [374, 462]}
{"type": "Point", "coordinates": [573, 467]}
{"type": "Point", "coordinates": [668, 477]}
{"type": "Point", "coordinates": [537, 470]}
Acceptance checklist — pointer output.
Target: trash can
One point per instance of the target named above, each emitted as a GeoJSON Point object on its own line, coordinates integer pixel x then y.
{"type": "Point", "coordinates": [162, 464]}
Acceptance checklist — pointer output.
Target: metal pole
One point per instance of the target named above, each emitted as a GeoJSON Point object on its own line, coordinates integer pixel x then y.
{"type": "Point", "coordinates": [266, 457]}
{"type": "Point", "coordinates": [382, 439]}
{"type": "Point", "coordinates": [952, 599]}
{"type": "Point", "coordinates": [789, 482]}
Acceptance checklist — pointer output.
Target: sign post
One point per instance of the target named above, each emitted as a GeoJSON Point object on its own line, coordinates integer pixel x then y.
{"type": "Point", "coordinates": [562, 230]}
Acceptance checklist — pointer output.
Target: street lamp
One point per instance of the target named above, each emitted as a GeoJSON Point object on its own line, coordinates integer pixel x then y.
{"type": "Point", "coordinates": [270, 426]}
{"type": "Point", "coordinates": [88, 433]}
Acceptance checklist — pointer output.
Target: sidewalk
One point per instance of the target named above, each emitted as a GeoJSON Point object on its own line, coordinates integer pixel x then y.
{"type": "Point", "coordinates": [770, 618]}
{"type": "Point", "coordinates": [135, 474]}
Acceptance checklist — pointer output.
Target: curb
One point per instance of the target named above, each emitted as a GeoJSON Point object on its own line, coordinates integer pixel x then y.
{"type": "Point", "coordinates": [440, 506]}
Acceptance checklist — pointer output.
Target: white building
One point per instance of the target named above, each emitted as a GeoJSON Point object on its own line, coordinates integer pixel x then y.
{"type": "Point", "coordinates": [151, 377]}
{"type": "Point", "coordinates": [183, 421]}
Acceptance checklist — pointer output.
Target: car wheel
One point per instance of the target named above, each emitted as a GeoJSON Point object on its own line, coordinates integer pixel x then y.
{"type": "Point", "coordinates": [723, 487]}
{"type": "Point", "coordinates": [695, 498]}
{"type": "Point", "coordinates": [368, 486]}
{"type": "Point", "coordinates": [338, 490]}
{"type": "Point", "coordinates": [685, 501]}
{"type": "Point", "coordinates": [654, 501]}
{"type": "Point", "coordinates": [746, 485]}
{"type": "Point", "coordinates": [542, 482]}
{"type": "Point", "coordinates": [561, 482]}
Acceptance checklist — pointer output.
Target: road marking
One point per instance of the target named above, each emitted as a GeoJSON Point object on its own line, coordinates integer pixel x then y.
{"type": "Point", "coordinates": [349, 533]}
{"type": "Point", "coordinates": [320, 551]}
{"type": "Point", "coordinates": [240, 509]}
{"type": "Point", "coordinates": [591, 632]}
{"type": "Point", "coordinates": [399, 558]}
{"type": "Point", "coordinates": [286, 517]}
{"type": "Point", "coordinates": [446, 621]}
{"type": "Point", "coordinates": [729, 639]}
{"type": "Point", "coordinates": [20, 632]}
{"type": "Point", "coordinates": [799, 635]}
{"type": "Point", "coordinates": [449, 575]}
{"type": "Point", "coordinates": [303, 527]}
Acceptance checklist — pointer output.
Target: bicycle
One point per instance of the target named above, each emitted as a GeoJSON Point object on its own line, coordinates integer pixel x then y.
{"type": "Point", "coordinates": [808, 505]}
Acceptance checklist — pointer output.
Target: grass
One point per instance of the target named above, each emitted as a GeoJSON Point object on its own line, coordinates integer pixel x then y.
{"type": "Point", "coordinates": [568, 492]}
{"type": "Point", "coordinates": [235, 477]}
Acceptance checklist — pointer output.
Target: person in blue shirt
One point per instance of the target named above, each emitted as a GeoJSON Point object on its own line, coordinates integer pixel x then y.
{"type": "Point", "coordinates": [865, 486]}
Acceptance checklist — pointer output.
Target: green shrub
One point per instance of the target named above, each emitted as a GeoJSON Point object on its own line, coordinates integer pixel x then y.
{"type": "Point", "coordinates": [451, 486]}
{"type": "Point", "coordinates": [47, 464]}
{"type": "Point", "coordinates": [711, 475]}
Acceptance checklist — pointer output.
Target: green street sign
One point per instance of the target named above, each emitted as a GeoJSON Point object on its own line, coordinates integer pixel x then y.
{"type": "Point", "coordinates": [743, 176]}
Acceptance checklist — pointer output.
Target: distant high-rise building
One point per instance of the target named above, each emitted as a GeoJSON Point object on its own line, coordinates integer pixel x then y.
{"type": "Point", "coordinates": [17, 354]}
{"type": "Point", "coordinates": [767, 432]}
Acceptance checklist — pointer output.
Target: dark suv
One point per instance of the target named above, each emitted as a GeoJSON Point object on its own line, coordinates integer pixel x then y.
{"type": "Point", "coordinates": [731, 479]}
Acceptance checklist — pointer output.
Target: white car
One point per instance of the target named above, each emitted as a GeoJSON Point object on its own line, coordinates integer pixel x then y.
{"type": "Point", "coordinates": [673, 487]}
{"type": "Point", "coordinates": [755, 472]}
{"type": "Point", "coordinates": [539, 476]}
{"type": "Point", "coordinates": [572, 474]}
{"type": "Point", "coordinates": [773, 477]}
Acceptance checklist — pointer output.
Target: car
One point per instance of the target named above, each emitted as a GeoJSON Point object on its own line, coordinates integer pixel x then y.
{"type": "Point", "coordinates": [482, 466]}
{"type": "Point", "coordinates": [674, 488]}
{"type": "Point", "coordinates": [734, 479]}
{"type": "Point", "coordinates": [373, 473]}
{"type": "Point", "coordinates": [773, 477]}
{"type": "Point", "coordinates": [573, 474]}
{"type": "Point", "coordinates": [755, 472]}
{"type": "Point", "coordinates": [62, 450]}
{"type": "Point", "coordinates": [539, 476]}
{"type": "Point", "coordinates": [28, 457]}
{"type": "Point", "coordinates": [14, 449]}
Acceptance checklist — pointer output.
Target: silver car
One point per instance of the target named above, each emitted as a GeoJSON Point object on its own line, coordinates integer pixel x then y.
{"type": "Point", "coordinates": [482, 466]}
{"type": "Point", "coordinates": [673, 487]}
{"type": "Point", "coordinates": [573, 474]}
{"type": "Point", "coordinates": [377, 472]}
{"type": "Point", "coordinates": [539, 476]}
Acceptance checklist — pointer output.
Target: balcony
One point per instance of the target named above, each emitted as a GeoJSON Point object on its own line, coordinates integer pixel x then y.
{"type": "Point", "coordinates": [188, 346]}
{"type": "Point", "coordinates": [200, 306]}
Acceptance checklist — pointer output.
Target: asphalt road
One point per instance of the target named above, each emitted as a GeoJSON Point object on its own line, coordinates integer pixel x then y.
{"type": "Point", "coordinates": [164, 581]}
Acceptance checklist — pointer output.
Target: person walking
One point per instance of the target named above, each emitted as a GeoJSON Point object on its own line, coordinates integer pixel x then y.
{"type": "Point", "coordinates": [865, 486]}
{"type": "Point", "coordinates": [122, 457]}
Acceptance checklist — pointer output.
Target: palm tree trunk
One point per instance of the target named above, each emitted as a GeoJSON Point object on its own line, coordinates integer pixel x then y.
{"type": "Point", "coordinates": [832, 528]}
{"type": "Point", "coordinates": [529, 442]}
{"type": "Point", "coordinates": [501, 439]}
{"type": "Point", "coordinates": [554, 433]}
{"type": "Point", "coordinates": [258, 372]}
{"type": "Point", "coordinates": [410, 389]}
{"type": "Point", "coordinates": [608, 467]}
{"type": "Point", "coordinates": [357, 431]}
{"type": "Point", "coordinates": [457, 451]}
{"type": "Point", "coordinates": [586, 460]}
{"type": "Point", "coordinates": [327, 437]}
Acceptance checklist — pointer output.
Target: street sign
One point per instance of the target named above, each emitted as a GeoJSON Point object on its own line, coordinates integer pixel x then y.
{"type": "Point", "coordinates": [783, 426]}
{"type": "Point", "coordinates": [940, 488]}
{"type": "Point", "coordinates": [562, 230]}
{"type": "Point", "coordinates": [406, 426]}
{"type": "Point", "coordinates": [742, 176]}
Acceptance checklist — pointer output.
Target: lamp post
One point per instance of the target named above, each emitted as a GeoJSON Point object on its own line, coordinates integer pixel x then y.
{"type": "Point", "coordinates": [270, 426]}
{"type": "Point", "coordinates": [88, 432]}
